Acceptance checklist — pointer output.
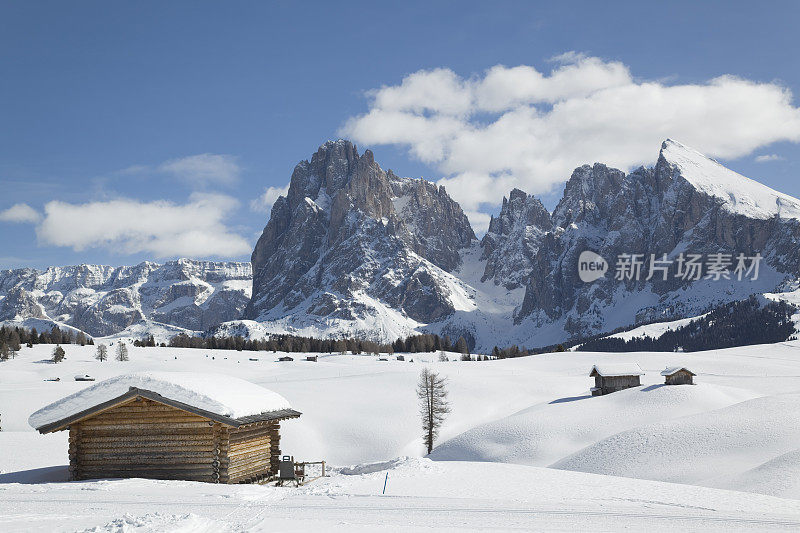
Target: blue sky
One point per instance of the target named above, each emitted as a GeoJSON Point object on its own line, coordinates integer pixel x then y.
{"type": "Point", "coordinates": [166, 113]}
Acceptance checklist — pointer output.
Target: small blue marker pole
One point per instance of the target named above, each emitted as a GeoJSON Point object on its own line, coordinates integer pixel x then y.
{"type": "Point", "coordinates": [385, 481]}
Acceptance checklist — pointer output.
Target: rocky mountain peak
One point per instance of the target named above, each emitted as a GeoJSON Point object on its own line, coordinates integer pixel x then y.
{"type": "Point", "coordinates": [355, 249]}
{"type": "Point", "coordinates": [329, 170]}
{"type": "Point", "coordinates": [589, 193]}
{"type": "Point", "coordinates": [733, 192]}
{"type": "Point", "coordinates": [687, 203]}
{"type": "Point", "coordinates": [353, 222]}
{"type": "Point", "coordinates": [510, 244]}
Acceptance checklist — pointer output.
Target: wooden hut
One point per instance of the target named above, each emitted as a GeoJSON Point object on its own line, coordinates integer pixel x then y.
{"type": "Point", "coordinates": [610, 378]}
{"type": "Point", "coordinates": [170, 425]}
{"type": "Point", "coordinates": [678, 375]}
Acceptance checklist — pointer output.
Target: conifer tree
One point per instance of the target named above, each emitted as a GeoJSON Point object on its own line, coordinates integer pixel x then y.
{"type": "Point", "coordinates": [58, 354]}
{"type": "Point", "coordinates": [5, 351]}
{"type": "Point", "coordinates": [14, 341]}
{"type": "Point", "coordinates": [461, 346]}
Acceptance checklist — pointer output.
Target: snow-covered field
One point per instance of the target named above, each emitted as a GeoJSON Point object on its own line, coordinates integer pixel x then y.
{"type": "Point", "coordinates": [525, 447]}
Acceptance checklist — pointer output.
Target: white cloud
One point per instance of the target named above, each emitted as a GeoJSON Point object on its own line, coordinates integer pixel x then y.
{"type": "Point", "coordinates": [203, 169]}
{"type": "Point", "coordinates": [263, 203]}
{"type": "Point", "coordinates": [768, 157]}
{"type": "Point", "coordinates": [439, 90]}
{"type": "Point", "coordinates": [479, 221]}
{"type": "Point", "coordinates": [520, 127]}
{"type": "Point", "coordinates": [160, 228]}
{"type": "Point", "coordinates": [20, 213]}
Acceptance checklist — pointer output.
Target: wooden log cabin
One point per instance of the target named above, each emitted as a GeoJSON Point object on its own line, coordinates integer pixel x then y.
{"type": "Point", "coordinates": [678, 375]}
{"type": "Point", "coordinates": [184, 426]}
{"type": "Point", "coordinates": [610, 378]}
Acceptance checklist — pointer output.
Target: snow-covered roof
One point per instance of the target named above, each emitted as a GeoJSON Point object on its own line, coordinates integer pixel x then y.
{"type": "Point", "coordinates": [224, 396]}
{"type": "Point", "coordinates": [670, 370]}
{"type": "Point", "coordinates": [740, 194]}
{"type": "Point", "coordinates": [617, 369]}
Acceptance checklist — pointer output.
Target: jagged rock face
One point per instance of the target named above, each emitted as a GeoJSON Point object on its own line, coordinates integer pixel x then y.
{"type": "Point", "coordinates": [513, 240]}
{"type": "Point", "coordinates": [18, 302]}
{"type": "Point", "coordinates": [103, 300]}
{"type": "Point", "coordinates": [355, 250]}
{"type": "Point", "coordinates": [350, 240]}
{"type": "Point", "coordinates": [664, 210]}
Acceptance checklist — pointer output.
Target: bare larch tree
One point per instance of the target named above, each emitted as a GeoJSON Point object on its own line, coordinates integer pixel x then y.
{"type": "Point", "coordinates": [102, 352]}
{"type": "Point", "coordinates": [432, 394]}
{"type": "Point", "coordinates": [122, 351]}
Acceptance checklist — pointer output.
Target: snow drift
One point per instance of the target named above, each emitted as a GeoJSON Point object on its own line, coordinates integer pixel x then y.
{"type": "Point", "coordinates": [709, 448]}
{"type": "Point", "coordinates": [548, 432]}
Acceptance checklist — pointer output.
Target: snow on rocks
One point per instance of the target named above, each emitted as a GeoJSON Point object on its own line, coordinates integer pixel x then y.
{"type": "Point", "coordinates": [740, 194]}
{"type": "Point", "coordinates": [220, 394]}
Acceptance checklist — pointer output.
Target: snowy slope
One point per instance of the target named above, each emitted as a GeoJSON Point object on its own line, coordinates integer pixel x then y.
{"type": "Point", "coordinates": [791, 297]}
{"type": "Point", "coordinates": [654, 331]}
{"type": "Point", "coordinates": [737, 429]}
{"type": "Point", "coordinates": [700, 448]}
{"type": "Point", "coordinates": [329, 393]}
{"type": "Point", "coordinates": [420, 496]}
{"type": "Point", "coordinates": [738, 194]}
{"type": "Point", "coordinates": [543, 434]}
{"type": "Point", "coordinates": [779, 476]}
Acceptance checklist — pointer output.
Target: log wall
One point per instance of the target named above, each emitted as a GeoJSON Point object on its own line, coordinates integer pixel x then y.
{"type": "Point", "coordinates": [147, 439]}
{"type": "Point", "coordinates": [142, 438]}
{"type": "Point", "coordinates": [250, 452]}
{"type": "Point", "coordinates": [609, 384]}
{"type": "Point", "coordinates": [679, 378]}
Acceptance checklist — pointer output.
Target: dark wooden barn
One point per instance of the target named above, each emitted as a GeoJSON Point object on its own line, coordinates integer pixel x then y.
{"type": "Point", "coordinates": [610, 378]}
{"type": "Point", "coordinates": [678, 375]}
{"type": "Point", "coordinates": [152, 431]}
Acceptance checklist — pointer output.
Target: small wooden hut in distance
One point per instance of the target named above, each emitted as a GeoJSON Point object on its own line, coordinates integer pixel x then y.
{"type": "Point", "coordinates": [678, 375]}
{"type": "Point", "coordinates": [610, 378]}
{"type": "Point", "coordinates": [170, 425]}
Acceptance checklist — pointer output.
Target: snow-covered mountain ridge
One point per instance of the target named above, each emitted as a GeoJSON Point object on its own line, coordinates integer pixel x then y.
{"type": "Point", "coordinates": [104, 300]}
{"type": "Point", "coordinates": [372, 259]}
{"type": "Point", "coordinates": [353, 249]}
{"type": "Point", "coordinates": [739, 194]}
